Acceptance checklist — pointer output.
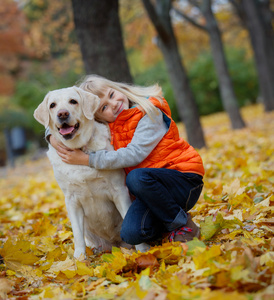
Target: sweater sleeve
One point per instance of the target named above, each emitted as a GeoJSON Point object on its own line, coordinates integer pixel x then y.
{"type": "Point", "coordinates": [147, 135]}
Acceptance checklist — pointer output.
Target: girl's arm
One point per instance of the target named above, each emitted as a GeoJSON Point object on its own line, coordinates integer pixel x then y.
{"type": "Point", "coordinates": [146, 137]}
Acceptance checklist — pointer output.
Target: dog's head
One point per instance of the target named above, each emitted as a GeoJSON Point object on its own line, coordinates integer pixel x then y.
{"type": "Point", "coordinates": [69, 113]}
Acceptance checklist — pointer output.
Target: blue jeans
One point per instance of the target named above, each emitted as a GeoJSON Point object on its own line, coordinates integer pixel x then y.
{"type": "Point", "coordinates": [163, 197]}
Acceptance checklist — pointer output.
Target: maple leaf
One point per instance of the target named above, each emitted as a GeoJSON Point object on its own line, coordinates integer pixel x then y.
{"type": "Point", "coordinates": [169, 252]}
{"type": "Point", "coordinates": [117, 259]}
{"type": "Point", "coordinates": [141, 285]}
{"type": "Point", "coordinates": [212, 226]}
{"type": "Point", "coordinates": [194, 244]}
{"type": "Point", "coordinates": [147, 260]}
{"type": "Point", "coordinates": [70, 268]}
{"type": "Point", "coordinates": [234, 188]}
{"type": "Point", "coordinates": [44, 227]}
{"type": "Point", "coordinates": [5, 287]}
{"type": "Point", "coordinates": [202, 256]}
{"type": "Point", "coordinates": [19, 252]}
{"type": "Point", "coordinates": [267, 259]}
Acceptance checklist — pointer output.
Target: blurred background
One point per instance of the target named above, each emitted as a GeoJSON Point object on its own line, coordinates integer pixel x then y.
{"type": "Point", "coordinates": [208, 56]}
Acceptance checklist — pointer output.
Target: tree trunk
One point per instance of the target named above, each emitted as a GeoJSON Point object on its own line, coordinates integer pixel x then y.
{"type": "Point", "coordinates": [263, 44]}
{"type": "Point", "coordinates": [185, 101]}
{"type": "Point", "coordinates": [257, 16]}
{"type": "Point", "coordinates": [228, 96]}
{"type": "Point", "coordinates": [99, 34]}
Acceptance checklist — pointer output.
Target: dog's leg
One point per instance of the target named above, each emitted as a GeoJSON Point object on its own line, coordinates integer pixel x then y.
{"type": "Point", "coordinates": [76, 215]}
{"type": "Point", "coordinates": [96, 243]}
{"type": "Point", "coordinates": [122, 201]}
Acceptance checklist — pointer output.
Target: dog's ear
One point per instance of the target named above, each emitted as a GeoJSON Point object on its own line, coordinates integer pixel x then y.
{"type": "Point", "coordinates": [90, 102]}
{"type": "Point", "coordinates": [41, 113]}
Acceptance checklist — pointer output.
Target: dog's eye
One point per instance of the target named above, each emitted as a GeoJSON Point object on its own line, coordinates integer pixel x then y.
{"type": "Point", "coordinates": [52, 105]}
{"type": "Point", "coordinates": [72, 101]}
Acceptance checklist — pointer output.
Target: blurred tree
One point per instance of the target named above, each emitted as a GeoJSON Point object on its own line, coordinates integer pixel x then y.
{"type": "Point", "coordinates": [100, 37]}
{"type": "Point", "coordinates": [166, 40]}
{"type": "Point", "coordinates": [50, 28]}
{"type": "Point", "coordinates": [257, 16]}
{"type": "Point", "coordinates": [51, 41]}
{"type": "Point", "coordinates": [142, 51]}
{"type": "Point", "coordinates": [158, 73]}
{"type": "Point", "coordinates": [228, 96]}
{"type": "Point", "coordinates": [12, 47]}
{"type": "Point", "coordinates": [204, 81]}
{"type": "Point", "coordinates": [38, 52]}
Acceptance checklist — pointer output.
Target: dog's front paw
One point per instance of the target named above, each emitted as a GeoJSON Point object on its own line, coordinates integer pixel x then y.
{"type": "Point", "coordinates": [80, 253]}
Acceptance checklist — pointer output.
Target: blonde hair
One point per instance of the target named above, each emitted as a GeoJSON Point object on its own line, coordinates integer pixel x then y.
{"type": "Point", "coordinates": [97, 85]}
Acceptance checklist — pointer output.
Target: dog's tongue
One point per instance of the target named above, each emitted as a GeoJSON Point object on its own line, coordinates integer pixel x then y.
{"type": "Point", "coordinates": [66, 130]}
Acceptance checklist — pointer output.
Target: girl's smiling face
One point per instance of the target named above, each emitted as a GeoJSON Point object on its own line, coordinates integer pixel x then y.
{"type": "Point", "coordinates": [112, 103]}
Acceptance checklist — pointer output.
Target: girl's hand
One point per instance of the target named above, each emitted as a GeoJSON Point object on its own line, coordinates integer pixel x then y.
{"type": "Point", "coordinates": [55, 143]}
{"type": "Point", "coordinates": [73, 157]}
{"type": "Point", "coordinates": [69, 156]}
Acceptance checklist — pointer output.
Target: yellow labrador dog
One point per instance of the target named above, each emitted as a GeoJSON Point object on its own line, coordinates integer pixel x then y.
{"type": "Point", "coordinates": [96, 200]}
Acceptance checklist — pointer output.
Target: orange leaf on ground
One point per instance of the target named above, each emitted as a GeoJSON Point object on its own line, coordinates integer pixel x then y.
{"type": "Point", "coordinates": [147, 260]}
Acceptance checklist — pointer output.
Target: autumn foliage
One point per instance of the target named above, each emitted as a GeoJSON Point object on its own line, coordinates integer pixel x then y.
{"type": "Point", "coordinates": [233, 260]}
{"type": "Point", "coordinates": [12, 46]}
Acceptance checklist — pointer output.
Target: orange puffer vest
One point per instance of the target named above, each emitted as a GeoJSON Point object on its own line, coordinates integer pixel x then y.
{"type": "Point", "coordinates": [172, 152]}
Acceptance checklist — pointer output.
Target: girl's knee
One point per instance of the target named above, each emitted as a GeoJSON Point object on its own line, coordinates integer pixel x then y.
{"type": "Point", "coordinates": [135, 235]}
{"type": "Point", "coordinates": [130, 236]}
{"type": "Point", "coordinates": [135, 181]}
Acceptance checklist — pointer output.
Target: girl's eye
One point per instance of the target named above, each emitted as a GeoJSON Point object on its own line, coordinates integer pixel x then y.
{"type": "Point", "coordinates": [111, 95]}
{"type": "Point", "coordinates": [72, 101]}
{"type": "Point", "coordinates": [104, 107]}
{"type": "Point", "coordinates": [52, 105]}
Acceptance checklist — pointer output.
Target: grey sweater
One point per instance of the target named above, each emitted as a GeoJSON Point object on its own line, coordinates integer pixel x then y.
{"type": "Point", "coordinates": [147, 135]}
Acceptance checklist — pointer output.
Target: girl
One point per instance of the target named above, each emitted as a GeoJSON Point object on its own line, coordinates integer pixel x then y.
{"type": "Point", "coordinates": [164, 173]}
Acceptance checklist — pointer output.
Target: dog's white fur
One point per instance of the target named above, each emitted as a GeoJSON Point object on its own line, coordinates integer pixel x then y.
{"type": "Point", "coordinates": [96, 200]}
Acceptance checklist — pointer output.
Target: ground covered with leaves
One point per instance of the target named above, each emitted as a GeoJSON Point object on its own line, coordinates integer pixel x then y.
{"type": "Point", "coordinates": [233, 260]}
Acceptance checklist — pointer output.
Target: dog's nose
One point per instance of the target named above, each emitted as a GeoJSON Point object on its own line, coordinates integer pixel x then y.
{"type": "Point", "coordinates": [63, 114]}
